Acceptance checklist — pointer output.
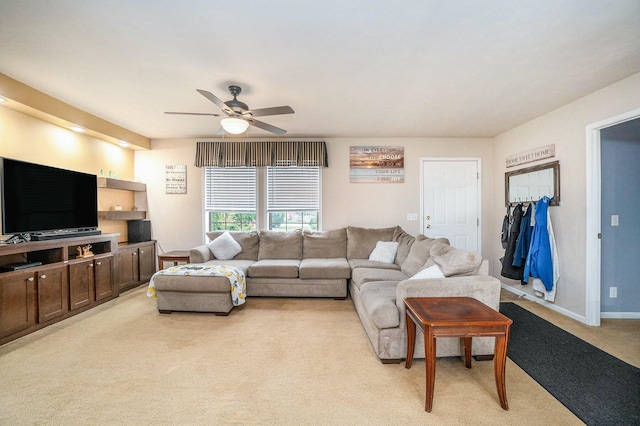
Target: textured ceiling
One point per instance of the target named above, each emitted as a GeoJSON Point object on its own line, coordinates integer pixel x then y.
{"type": "Point", "coordinates": [357, 68]}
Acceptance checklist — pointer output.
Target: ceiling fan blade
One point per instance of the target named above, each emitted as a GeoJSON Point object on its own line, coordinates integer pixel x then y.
{"type": "Point", "coordinates": [213, 98]}
{"type": "Point", "coordinates": [268, 127]}
{"type": "Point", "coordinates": [261, 112]}
{"type": "Point", "coordinates": [192, 113]}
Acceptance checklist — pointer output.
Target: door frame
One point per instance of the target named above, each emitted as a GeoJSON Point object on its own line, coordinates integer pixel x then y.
{"type": "Point", "coordinates": [593, 211]}
{"type": "Point", "coordinates": [478, 162]}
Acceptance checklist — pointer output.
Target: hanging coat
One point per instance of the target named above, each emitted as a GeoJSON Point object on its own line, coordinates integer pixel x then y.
{"type": "Point", "coordinates": [504, 237]}
{"type": "Point", "coordinates": [539, 262]}
{"type": "Point", "coordinates": [523, 241]}
{"type": "Point", "coordinates": [537, 285]}
{"type": "Point", "coordinates": [508, 270]}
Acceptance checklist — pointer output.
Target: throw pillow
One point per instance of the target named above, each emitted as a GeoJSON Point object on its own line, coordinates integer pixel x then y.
{"type": "Point", "coordinates": [430, 272]}
{"type": "Point", "coordinates": [385, 252]}
{"type": "Point", "coordinates": [224, 247]}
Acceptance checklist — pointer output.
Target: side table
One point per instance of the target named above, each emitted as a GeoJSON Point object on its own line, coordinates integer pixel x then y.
{"type": "Point", "coordinates": [463, 317]}
{"type": "Point", "coordinates": [173, 256]}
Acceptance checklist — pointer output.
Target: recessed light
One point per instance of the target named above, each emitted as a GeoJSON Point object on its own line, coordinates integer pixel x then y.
{"type": "Point", "coordinates": [77, 129]}
{"type": "Point", "coordinates": [2, 99]}
{"type": "Point", "coordinates": [123, 144]}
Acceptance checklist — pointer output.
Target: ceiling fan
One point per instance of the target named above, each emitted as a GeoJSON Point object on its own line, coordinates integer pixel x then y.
{"type": "Point", "coordinates": [239, 116]}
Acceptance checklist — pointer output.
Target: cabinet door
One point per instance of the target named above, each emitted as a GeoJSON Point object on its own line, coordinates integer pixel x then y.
{"type": "Point", "coordinates": [127, 267]}
{"type": "Point", "coordinates": [81, 284]}
{"type": "Point", "coordinates": [104, 277]}
{"type": "Point", "coordinates": [17, 303]}
{"type": "Point", "coordinates": [53, 293]}
{"type": "Point", "coordinates": [147, 257]}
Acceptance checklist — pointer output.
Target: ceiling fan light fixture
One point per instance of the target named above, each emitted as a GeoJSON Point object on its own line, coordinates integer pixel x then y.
{"type": "Point", "coordinates": [234, 125]}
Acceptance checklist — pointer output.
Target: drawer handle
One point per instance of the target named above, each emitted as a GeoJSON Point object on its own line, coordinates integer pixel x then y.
{"type": "Point", "coordinates": [98, 263]}
{"type": "Point", "coordinates": [43, 276]}
{"type": "Point", "coordinates": [30, 279]}
{"type": "Point", "coordinates": [91, 265]}
{"type": "Point", "coordinates": [135, 254]}
{"type": "Point", "coordinates": [141, 251]}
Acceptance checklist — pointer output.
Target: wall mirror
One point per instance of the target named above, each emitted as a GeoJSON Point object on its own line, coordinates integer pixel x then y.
{"type": "Point", "coordinates": [532, 183]}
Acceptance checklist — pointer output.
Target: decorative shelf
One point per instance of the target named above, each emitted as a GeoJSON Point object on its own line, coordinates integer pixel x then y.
{"type": "Point", "coordinates": [122, 215]}
{"type": "Point", "coordinates": [104, 182]}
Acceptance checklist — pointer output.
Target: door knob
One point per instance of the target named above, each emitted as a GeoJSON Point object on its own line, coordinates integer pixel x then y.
{"type": "Point", "coordinates": [428, 226]}
{"type": "Point", "coordinates": [428, 218]}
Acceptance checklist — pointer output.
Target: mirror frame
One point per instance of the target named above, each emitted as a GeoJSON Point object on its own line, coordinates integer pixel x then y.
{"type": "Point", "coordinates": [555, 165]}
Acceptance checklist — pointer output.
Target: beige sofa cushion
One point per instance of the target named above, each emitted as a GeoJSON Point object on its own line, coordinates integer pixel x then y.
{"type": "Point", "coordinates": [453, 261]}
{"type": "Point", "coordinates": [360, 276]}
{"type": "Point", "coordinates": [280, 245]}
{"type": "Point", "coordinates": [324, 244]}
{"type": "Point", "coordinates": [379, 300]}
{"type": "Point", "coordinates": [248, 240]}
{"type": "Point", "coordinates": [362, 241]}
{"type": "Point", "coordinates": [337, 268]}
{"type": "Point", "coordinates": [366, 263]}
{"type": "Point", "coordinates": [419, 254]}
{"type": "Point", "coordinates": [274, 268]}
{"type": "Point", "coordinates": [404, 241]}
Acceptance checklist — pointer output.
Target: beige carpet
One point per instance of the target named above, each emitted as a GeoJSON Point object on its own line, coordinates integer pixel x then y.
{"type": "Point", "coordinates": [273, 361]}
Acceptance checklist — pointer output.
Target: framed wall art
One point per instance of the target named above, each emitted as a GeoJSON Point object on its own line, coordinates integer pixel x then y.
{"type": "Point", "coordinates": [376, 164]}
{"type": "Point", "coordinates": [176, 179]}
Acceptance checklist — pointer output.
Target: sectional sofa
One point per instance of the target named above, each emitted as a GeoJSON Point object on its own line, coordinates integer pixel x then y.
{"type": "Point", "coordinates": [378, 268]}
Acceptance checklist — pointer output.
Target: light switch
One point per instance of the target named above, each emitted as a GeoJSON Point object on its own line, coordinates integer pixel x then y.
{"type": "Point", "coordinates": [412, 216]}
{"type": "Point", "coordinates": [614, 220]}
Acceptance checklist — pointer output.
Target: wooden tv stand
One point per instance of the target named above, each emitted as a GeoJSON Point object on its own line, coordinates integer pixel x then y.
{"type": "Point", "coordinates": [56, 279]}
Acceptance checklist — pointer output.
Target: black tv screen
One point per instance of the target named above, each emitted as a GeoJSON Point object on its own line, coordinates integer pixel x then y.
{"type": "Point", "coordinates": [37, 198]}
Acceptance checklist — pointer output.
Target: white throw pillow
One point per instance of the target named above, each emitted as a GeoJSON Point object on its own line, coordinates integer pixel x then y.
{"type": "Point", "coordinates": [384, 252]}
{"type": "Point", "coordinates": [430, 272]}
{"type": "Point", "coordinates": [224, 247]}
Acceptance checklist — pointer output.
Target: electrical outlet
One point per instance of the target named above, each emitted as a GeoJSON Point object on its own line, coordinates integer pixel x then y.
{"type": "Point", "coordinates": [613, 292]}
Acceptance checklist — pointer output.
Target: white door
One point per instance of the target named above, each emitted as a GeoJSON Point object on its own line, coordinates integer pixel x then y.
{"type": "Point", "coordinates": [451, 201]}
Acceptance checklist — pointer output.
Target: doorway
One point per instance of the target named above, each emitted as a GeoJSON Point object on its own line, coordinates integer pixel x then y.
{"type": "Point", "coordinates": [594, 215]}
{"type": "Point", "coordinates": [450, 204]}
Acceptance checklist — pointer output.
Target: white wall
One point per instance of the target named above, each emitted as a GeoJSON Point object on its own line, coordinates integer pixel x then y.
{"type": "Point", "coordinates": [566, 128]}
{"type": "Point", "coordinates": [177, 221]}
{"type": "Point", "coordinates": [25, 138]}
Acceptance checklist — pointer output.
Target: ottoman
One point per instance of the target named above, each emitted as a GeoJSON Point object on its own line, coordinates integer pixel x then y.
{"type": "Point", "coordinates": [193, 294]}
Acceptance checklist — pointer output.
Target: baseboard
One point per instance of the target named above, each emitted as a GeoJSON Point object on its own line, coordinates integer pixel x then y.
{"type": "Point", "coordinates": [553, 307]}
{"type": "Point", "coordinates": [620, 315]}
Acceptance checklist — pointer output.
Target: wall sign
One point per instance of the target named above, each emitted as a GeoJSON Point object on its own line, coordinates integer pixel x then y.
{"type": "Point", "coordinates": [176, 179]}
{"type": "Point", "coordinates": [548, 151]}
{"type": "Point", "coordinates": [377, 164]}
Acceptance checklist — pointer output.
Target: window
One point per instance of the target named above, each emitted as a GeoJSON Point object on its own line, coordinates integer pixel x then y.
{"type": "Point", "coordinates": [291, 198]}
{"type": "Point", "coordinates": [230, 198]}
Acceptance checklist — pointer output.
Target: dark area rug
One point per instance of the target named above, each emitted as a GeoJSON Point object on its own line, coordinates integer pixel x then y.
{"type": "Point", "coordinates": [598, 388]}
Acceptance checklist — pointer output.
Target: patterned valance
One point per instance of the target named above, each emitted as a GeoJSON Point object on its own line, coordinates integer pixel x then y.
{"type": "Point", "coordinates": [261, 154]}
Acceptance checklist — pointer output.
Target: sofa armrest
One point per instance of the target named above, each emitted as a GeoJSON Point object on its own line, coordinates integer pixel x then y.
{"type": "Point", "coordinates": [485, 288]}
{"type": "Point", "coordinates": [200, 254]}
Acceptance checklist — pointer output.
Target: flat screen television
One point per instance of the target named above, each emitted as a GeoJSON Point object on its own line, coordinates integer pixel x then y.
{"type": "Point", "coordinates": [38, 199]}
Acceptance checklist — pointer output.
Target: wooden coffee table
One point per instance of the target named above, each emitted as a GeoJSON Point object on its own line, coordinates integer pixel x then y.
{"type": "Point", "coordinates": [463, 317]}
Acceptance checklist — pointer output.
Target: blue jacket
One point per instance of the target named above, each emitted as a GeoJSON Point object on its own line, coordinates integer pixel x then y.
{"type": "Point", "coordinates": [539, 260]}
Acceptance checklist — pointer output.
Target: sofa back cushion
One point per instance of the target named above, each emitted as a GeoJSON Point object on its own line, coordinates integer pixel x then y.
{"type": "Point", "coordinates": [453, 261]}
{"type": "Point", "coordinates": [404, 241]}
{"type": "Point", "coordinates": [419, 254]}
{"type": "Point", "coordinates": [324, 244]}
{"type": "Point", "coordinates": [362, 241]}
{"type": "Point", "coordinates": [280, 245]}
{"type": "Point", "coordinates": [248, 240]}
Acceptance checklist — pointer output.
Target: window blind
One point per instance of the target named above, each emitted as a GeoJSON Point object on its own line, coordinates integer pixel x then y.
{"type": "Point", "coordinates": [230, 189]}
{"type": "Point", "coordinates": [293, 188]}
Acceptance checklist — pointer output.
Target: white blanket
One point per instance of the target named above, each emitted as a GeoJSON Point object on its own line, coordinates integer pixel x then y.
{"type": "Point", "coordinates": [235, 276]}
